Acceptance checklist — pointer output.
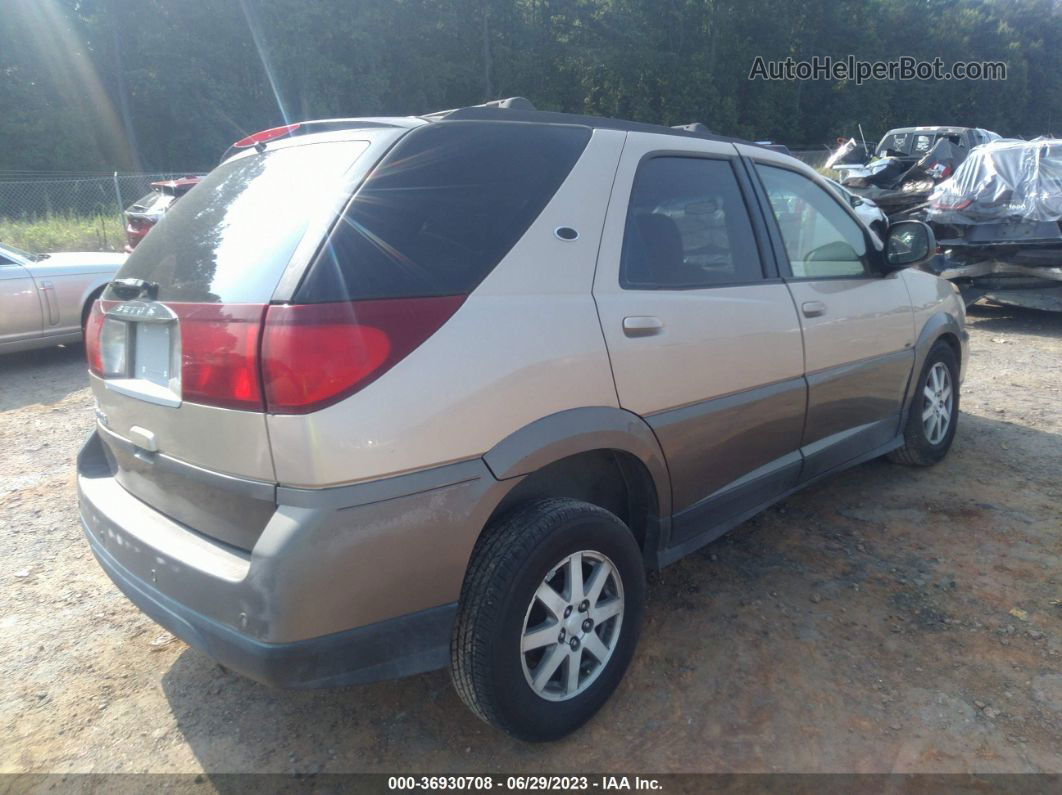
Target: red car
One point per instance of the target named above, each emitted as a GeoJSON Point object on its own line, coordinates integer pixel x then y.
{"type": "Point", "coordinates": [146, 211]}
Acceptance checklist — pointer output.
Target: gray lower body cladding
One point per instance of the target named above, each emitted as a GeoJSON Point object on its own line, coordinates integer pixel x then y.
{"type": "Point", "coordinates": [401, 646]}
{"type": "Point", "coordinates": [348, 585]}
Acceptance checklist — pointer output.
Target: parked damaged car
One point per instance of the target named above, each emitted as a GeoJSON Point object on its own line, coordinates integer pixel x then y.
{"type": "Point", "coordinates": [906, 165]}
{"type": "Point", "coordinates": [998, 221]}
{"type": "Point", "coordinates": [146, 211]}
{"type": "Point", "coordinates": [869, 212]}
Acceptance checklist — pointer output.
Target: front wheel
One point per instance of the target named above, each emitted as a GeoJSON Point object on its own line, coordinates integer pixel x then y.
{"type": "Point", "coordinates": [934, 410]}
{"type": "Point", "coordinates": [549, 618]}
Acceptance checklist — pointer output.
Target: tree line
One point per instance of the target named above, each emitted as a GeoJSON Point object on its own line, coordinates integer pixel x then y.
{"type": "Point", "coordinates": [90, 85]}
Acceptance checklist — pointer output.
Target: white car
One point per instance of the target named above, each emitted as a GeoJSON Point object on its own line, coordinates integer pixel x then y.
{"type": "Point", "coordinates": [867, 209]}
{"type": "Point", "coordinates": [45, 298]}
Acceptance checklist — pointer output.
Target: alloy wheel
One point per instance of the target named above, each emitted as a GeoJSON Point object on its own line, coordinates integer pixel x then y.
{"type": "Point", "coordinates": [937, 403]}
{"type": "Point", "coordinates": [572, 625]}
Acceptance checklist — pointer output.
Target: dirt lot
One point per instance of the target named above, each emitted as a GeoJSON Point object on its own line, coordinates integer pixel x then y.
{"type": "Point", "coordinates": [887, 620]}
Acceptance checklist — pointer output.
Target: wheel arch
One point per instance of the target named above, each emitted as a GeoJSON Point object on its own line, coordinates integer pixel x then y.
{"type": "Point", "coordinates": [940, 327]}
{"type": "Point", "coordinates": [602, 455]}
{"type": "Point", "coordinates": [91, 293]}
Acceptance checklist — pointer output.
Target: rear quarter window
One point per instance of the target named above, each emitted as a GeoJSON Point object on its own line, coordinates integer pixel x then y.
{"type": "Point", "coordinates": [442, 209]}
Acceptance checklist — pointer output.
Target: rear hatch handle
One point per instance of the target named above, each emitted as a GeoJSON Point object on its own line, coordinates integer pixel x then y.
{"type": "Point", "coordinates": [127, 289]}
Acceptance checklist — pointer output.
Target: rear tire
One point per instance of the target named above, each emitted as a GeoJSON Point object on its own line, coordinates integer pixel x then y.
{"type": "Point", "coordinates": [536, 650]}
{"type": "Point", "coordinates": [934, 410]}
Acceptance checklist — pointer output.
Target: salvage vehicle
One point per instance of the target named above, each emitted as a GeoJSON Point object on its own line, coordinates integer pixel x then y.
{"type": "Point", "coordinates": [907, 164]}
{"type": "Point", "coordinates": [409, 393]}
{"type": "Point", "coordinates": [146, 211]}
{"type": "Point", "coordinates": [45, 299]}
{"type": "Point", "coordinates": [999, 221]}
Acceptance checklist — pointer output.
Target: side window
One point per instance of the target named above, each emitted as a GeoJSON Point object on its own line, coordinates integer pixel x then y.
{"type": "Point", "coordinates": [821, 239]}
{"type": "Point", "coordinates": [687, 227]}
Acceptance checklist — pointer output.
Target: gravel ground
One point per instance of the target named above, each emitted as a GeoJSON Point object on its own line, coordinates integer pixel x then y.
{"type": "Point", "coordinates": [886, 620]}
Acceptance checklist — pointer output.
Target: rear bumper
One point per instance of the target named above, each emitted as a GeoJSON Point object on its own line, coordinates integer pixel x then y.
{"type": "Point", "coordinates": [389, 649]}
{"type": "Point", "coordinates": [343, 586]}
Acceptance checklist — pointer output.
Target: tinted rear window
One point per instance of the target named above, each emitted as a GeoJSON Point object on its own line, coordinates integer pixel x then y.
{"type": "Point", "coordinates": [442, 210]}
{"type": "Point", "coordinates": [230, 238]}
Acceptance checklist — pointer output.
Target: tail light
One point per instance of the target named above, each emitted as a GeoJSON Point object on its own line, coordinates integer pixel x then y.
{"type": "Point", "coordinates": [314, 355]}
{"type": "Point", "coordinates": [219, 354]}
{"type": "Point", "coordinates": [93, 330]}
{"type": "Point", "coordinates": [940, 204]}
{"type": "Point", "coordinates": [285, 359]}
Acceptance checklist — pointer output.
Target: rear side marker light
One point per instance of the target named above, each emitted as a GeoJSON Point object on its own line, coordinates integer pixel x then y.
{"type": "Point", "coordinates": [314, 355]}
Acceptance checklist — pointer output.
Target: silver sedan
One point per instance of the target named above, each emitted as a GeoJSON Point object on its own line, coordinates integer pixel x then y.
{"type": "Point", "coordinates": [45, 298]}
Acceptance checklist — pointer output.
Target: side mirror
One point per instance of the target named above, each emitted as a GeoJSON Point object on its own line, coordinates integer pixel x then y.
{"type": "Point", "coordinates": [856, 201]}
{"type": "Point", "coordinates": [908, 243]}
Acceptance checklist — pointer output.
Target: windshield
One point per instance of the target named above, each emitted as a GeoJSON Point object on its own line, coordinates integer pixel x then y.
{"type": "Point", "coordinates": [17, 253]}
{"type": "Point", "coordinates": [231, 239]}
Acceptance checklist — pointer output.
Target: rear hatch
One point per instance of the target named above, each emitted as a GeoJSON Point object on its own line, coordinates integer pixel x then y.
{"type": "Point", "coordinates": [173, 342]}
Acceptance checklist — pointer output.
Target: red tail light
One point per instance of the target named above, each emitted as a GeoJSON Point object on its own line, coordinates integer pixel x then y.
{"type": "Point", "coordinates": [219, 354]}
{"type": "Point", "coordinates": [314, 355]}
{"type": "Point", "coordinates": [93, 328]}
{"type": "Point", "coordinates": [943, 205]}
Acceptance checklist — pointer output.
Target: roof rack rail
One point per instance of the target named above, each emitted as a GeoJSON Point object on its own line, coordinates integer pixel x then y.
{"type": "Point", "coordinates": [509, 103]}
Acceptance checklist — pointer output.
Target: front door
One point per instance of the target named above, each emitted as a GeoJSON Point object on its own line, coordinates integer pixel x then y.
{"type": "Point", "coordinates": [20, 306]}
{"type": "Point", "coordinates": [704, 343]}
{"type": "Point", "coordinates": [858, 324]}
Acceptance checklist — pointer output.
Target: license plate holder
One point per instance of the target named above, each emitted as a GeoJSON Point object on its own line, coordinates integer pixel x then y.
{"type": "Point", "coordinates": [153, 353]}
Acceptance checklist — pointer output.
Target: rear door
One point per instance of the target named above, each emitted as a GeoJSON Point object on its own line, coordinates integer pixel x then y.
{"type": "Point", "coordinates": [704, 339]}
{"type": "Point", "coordinates": [858, 324]}
{"type": "Point", "coordinates": [20, 306]}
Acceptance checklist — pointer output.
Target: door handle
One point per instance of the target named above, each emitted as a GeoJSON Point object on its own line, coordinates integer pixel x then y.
{"type": "Point", "coordinates": [642, 325]}
{"type": "Point", "coordinates": [813, 308]}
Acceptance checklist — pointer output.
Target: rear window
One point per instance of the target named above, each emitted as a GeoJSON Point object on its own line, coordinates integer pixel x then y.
{"type": "Point", "coordinates": [912, 143]}
{"type": "Point", "coordinates": [231, 238]}
{"type": "Point", "coordinates": [156, 201]}
{"type": "Point", "coordinates": [444, 207]}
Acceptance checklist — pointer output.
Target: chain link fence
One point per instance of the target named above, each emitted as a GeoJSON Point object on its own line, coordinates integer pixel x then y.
{"type": "Point", "coordinates": [28, 197]}
{"type": "Point", "coordinates": [69, 212]}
